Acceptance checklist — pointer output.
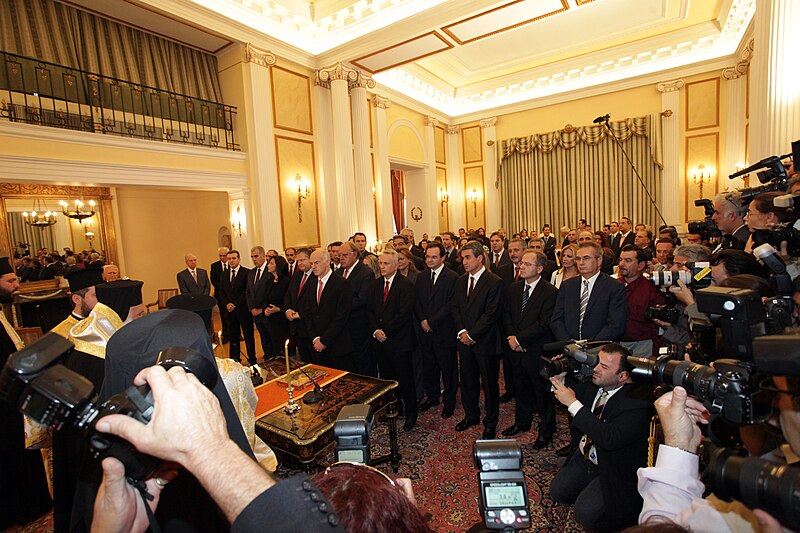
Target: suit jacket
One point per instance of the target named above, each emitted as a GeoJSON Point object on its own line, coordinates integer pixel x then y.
{"type": "Point", "coordinates": [742, 234]}
{"type": "Point", "coordinates": [531, 327]}
{"type": "Point", "coordinates": [481, 313]}
{"type": "Point", "coordinates": [618, 243]}
{"type": "Point", "coordinates": [606, 312]}
{"type": "Point", "coordinates": [434, 304]}
{"type": "Point", "coordinates": [257, 294]}
{"type": "Point", "coordinates": [396, 316]}
{"type": "Point", "coordinates": [620, 437]}
{"type": "Point", "coordinates": [187, 284]}
{"type": "Point", "coordinates": [360, 278]}
{"type": "Point", "coordinates": [235, 292]}
{"type": "Point", "coordinates": [215, 277]}
{"type": "Point", "coordinates": [549, 247]}
{"type": "Point", "coordinates": [504, 260]}
{"type": "Point", "coordinates": [507, 273]}
{"type": "Point", "coordinates": [450, 259]}
{"type": "Point", "coordinates": [328, 319]}
{"type": "Point", "coordinates": [300, 301]}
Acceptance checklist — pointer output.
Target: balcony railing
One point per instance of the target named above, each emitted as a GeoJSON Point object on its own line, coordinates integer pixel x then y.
{"type": "Point", "coordinates": [46, 94]}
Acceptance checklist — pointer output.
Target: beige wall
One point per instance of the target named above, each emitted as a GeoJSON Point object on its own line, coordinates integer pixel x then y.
{"type": "Point", "coordinates": [158, 227]}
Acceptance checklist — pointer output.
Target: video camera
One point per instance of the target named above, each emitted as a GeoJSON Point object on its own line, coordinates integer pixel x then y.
{"type": "Point", "coordinates": [774, 176]}
{"type": "Point", "coordinates": [580, 358]}
{"type": "Point", "coordinates": [34, 380]}
{"type": "Point", "coordinates": [707, 228]}
{"type": "Point", "coordinates": [504, 501]}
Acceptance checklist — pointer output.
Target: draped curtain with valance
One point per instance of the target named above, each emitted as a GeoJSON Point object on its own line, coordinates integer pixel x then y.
{"type": "Point", "coordinates": [36, 238]}
{"type": "Point", "coordinates": [61, 34]}
{"type": "Point", "coordinates": [574, 173]}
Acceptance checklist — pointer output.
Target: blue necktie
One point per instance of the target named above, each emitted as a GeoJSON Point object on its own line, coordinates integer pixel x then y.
{"type": "Point", "coordinates": [525, 295]}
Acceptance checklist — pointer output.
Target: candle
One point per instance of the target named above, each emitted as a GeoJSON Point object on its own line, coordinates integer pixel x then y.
{"type": "Point", "coordinates": [288, 368]}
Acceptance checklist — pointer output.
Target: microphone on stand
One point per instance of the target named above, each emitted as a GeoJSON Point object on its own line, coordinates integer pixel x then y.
{"type": "Point", "coordinates": [315, 395]}
{"type": "Point", "coordinates": [601, 119]}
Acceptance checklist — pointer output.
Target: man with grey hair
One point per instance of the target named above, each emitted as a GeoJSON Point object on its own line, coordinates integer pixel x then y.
{"type": "Point", "coordinates": [193, 280]}
{"type": "Point", "coordinates": [415, 249]}
{"type": "Point", "coordinates": [329, 314]}
{"type": "Point", "coordinates": [729, 214]}
{"type": "Point", "coordinates": [360, 278]}
{"type": "Point", "coordinates": [477, 312]}
{"type": "Point", "coordinates": [259, 283]}
{"type": "Point", "coordinates": [219, 269]}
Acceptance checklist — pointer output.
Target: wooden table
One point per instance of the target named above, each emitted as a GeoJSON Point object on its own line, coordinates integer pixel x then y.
{"type": "Point", "coordinates": [309, 432]}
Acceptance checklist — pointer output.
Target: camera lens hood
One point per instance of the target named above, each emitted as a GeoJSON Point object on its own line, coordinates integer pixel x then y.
{"type": "Point", "coordinates": [191, 361]}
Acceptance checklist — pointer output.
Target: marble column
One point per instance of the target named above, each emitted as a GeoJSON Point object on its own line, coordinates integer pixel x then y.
{"type": "Point", "coordinates": [338, 76]}
{"type": "Point", "coordinates": [264, 213]}
{"type": "Point", "coordinates": [383, 184]}
{"type": "Point", "coordinates": [430, 207]}
{"type": "Point", "coordinates": [364, 184]}
{"type": "Point", "coordinates": [774, 82]}
{"type": "Point", "coordinates": [455, 179]}
{"type": "Point", "coordinates": [491, 195]}
{"type": "Point", "coordinates": [326, 163]}
{"type": "Point", "coordinates": [671, 185]}
{"type": "Point", "coordinates": [735, 149]}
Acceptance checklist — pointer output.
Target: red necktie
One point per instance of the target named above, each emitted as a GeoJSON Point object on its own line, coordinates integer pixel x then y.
{"type": "Point", "coordinates": [516, 273]}
{"type": "Point", "coordinates": [302, 282]}
{"type": "Point", "coordinates": [345, 273]}
{"type": "Point", "coordinates": [386, 291]}
{"type": "Point", "coordinates": [471, 286]}
{"type": "Point", "coordinates": [319, 291]}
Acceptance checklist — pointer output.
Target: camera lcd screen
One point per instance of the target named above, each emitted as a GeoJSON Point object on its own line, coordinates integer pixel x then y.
{"type": "Point", "coordinates": [35, 405]}
{"type": "Point", "coordinates": [350, 456]}
{"type": "Point", "coordinates": [504, 496]}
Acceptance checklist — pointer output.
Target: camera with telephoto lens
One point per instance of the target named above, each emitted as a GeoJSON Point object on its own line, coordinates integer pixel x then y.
{"type": "Point", "coordinates": [774, 176]}
{"type": "Point", "coordinates": [698, 276]}
{"type": "Point", "coordinates": [34, 380]}
{"type": "Point", "coordinates": [503, 498]}
{"type": "Point", "coordinates": [580, 358]}
{"type": "Point", "coordinates": [706, 228]}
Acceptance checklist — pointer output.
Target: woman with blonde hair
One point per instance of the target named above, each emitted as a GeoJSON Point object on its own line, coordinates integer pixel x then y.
{"type": "Point", "coordinates": [569, 268]}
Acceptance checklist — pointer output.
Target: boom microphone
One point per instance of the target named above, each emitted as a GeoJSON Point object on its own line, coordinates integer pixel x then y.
{"type": "Point", "coordinates": [604, 118]}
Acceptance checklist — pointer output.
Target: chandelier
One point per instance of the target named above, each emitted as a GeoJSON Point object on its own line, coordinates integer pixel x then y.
{"type": "Point", "coordinates": [80, 212]}
{"type": "Point", "coordinates": [40, 216]}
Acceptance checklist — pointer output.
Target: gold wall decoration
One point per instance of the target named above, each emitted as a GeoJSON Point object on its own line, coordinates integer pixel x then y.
{"type": "Point", "coordinates": [296, 156]}
{"type": "Point", "coordinates": [291, 101]}
{"type": "Point", "coordinates": [700, 150]}
{"type": "Point", "coordinates": [474, 197]}
{"type": "Point", "coordinates": [702, 104]}
{"type": "Point", "coordinates": [472, 144]}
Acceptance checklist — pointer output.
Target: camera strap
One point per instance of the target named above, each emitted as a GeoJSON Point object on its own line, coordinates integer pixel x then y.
{"type": "Point", "coordinates": [141, 487]}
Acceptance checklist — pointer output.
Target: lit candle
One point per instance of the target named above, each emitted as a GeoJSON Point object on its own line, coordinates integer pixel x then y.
{"type": "Point", "coordinates": [288, 368]}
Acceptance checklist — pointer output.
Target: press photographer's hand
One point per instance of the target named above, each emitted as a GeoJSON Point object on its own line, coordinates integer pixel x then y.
{"type": "Point", "coordinates": [679, 415]}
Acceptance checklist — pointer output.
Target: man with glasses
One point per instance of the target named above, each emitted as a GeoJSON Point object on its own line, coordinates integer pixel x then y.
{"type": "Point", "coordinates": [219, 269]}
{"type": "Point", "coordinates": [729, 216]}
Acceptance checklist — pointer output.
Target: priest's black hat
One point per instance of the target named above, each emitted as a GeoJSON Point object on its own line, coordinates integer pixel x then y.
{"type": "Point", "coordinates": [192, 302]}
{"type": "Point", "coordinates": [120, 295]}
{"type": "Point", "coordinates": [5, 266]}
{"type": "Point", "coordinates": [83, 278]}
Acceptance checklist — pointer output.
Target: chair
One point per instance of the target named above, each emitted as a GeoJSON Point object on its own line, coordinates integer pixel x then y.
{"type": "Point", "coordinates": [163, 296]}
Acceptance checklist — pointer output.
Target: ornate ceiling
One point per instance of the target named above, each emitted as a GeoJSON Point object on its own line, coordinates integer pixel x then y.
{"type": "Point", "coordinates": [462, 58]}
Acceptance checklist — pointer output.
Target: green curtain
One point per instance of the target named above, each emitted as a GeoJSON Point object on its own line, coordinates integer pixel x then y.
{"type": "Point", "coordinates": [561, 176]}
{"type": "Point", "coordinates": [61, 34]}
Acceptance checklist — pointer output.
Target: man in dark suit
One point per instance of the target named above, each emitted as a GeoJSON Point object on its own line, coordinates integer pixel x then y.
{"type": "Point", "coordinates": [450, 252]}
{"type": "Point", "coordinates": [297, 305]}
{"type": "Point", "coordinates": [498, 254]}
{"type": "Point", "coordinates": [729, 212]}
{"type": "Point", "coordinates": [549, 242]}
{"type": "Point", "coordinates": [510, 273]}
{"type": "Point", "coordinates": [259, 283]}
{"type": "Point", "coordinates": [477, 310]}
{"type": "Point", "coordinates": [360, 278]}
{"type": "Point", "coordinates": [591, 306]}
{"type": "Point", "coordinates": [613, 416]}
{"type": "Point", "coordinates": [219, 270]}
{"type": "Point", "coordinates": [390, 314]}
{"type": "Point", "coordinates": [413, 247]}
{"type": "Point", "coordinates": [329, 315]}
{"type": "Point", "coordinates": [435, 289]}
{"type": "Point", "coordinates": [234, 288]}
{"type": "Point", "coordinates": [624, 237]}
{"type": "Point", "coordinates": [537, 245]}
{"type": "Point", "coordinates": [526, 320]}
{"type": "Point", "coordinates": [193, 280]}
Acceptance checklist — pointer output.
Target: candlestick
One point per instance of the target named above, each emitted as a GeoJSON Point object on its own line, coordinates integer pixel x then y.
{"type": "Point", "coordinates": [288, 368]}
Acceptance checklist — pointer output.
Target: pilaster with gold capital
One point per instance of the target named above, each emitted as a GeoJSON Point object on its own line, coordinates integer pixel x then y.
{"type": "Point", "coordinates": [258, 56]}
{"type": "Point", "coordinates": [380, 102]}
{"type": "Point", "coordinates": [671, 185]}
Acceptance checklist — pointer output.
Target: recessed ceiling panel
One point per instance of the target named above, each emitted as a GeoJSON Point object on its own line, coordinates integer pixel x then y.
{"type": "Point", "coordinates": [506, 17]}
{"type": "Point", "coordinates": [402, 53]}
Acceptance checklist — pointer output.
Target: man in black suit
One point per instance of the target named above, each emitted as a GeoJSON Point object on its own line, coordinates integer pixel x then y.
{"type": "Point", "coordinates": [360, 240]}
{"type": "Point", "coordinates": [360, 278]}
{"type": "Point", "coordinates": [259, 283]}
{"type": "Point", "coordinates": [729, 212]}
{"type": "Point", "coordinates": [477, 310]}
{"type": "Point", "coordinates": [526, 320]}
{"type": "Point", "coordinates": [450, 252]}
{"type": "Point", "coordinates": [390, 314]}
{"type": "Point", "coordinates": [613, 416]}
{"type": "Point", "coordinates": [219, 269]}
{"type": "Point", "coordinates": [591, 306]}
{"type": "Point", "coordinates": [193, 280]}
{"type": "Point", "coordinates": [498, 254]}
{"type": "Point", "coordinates": [537, 245]}
{"type": "Point", "coordinates": [549, 242]}
{"type": "Point", "coordinates": [329, 315]}
{"type": "Point", "coordinates": [510, 273]}
{"type": "Point", "coordinates": [297, 305]}
{"type": "Point", "coordinates": [435, 289]}
{"type": "Point", "coordinates": [624, 237]}
{"type": "Point", "coordinates": [234, 288]}
{"type": "Point", "coordinates": [413, 247]}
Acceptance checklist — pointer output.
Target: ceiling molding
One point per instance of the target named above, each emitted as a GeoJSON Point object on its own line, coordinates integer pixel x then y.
{"type": "Point", "coordinates": [403, 53]}
{"type": "Point", "coordinates": [513, 14]}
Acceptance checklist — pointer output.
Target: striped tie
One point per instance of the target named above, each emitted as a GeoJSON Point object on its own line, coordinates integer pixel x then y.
{"type": "Point", "coordinates": [584, 301]}
{"type": "Point", "coordinates": [525, 296]}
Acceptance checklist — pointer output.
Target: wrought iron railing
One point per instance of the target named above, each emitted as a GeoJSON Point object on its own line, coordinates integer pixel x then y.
{"type": "Point", "coordinates": [46, 94]}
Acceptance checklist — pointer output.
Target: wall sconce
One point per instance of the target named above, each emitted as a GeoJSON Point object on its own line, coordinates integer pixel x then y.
{"type": "Point", "coordinates": [444, 197]}
{"type": "Point", "coordinates": [303, 191]}
{"type": "Point", "coordinates": [472, 197]}
{"type": "Point", "coordinates": [236, 221]}
{"type": "Point", "coordinates": [702, 175]}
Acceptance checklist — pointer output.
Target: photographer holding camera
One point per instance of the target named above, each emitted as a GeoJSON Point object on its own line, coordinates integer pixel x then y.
{"type": "Point", "coordinates": [613, 415]}
{"type": "Point", "coordinates": [672, 490]}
